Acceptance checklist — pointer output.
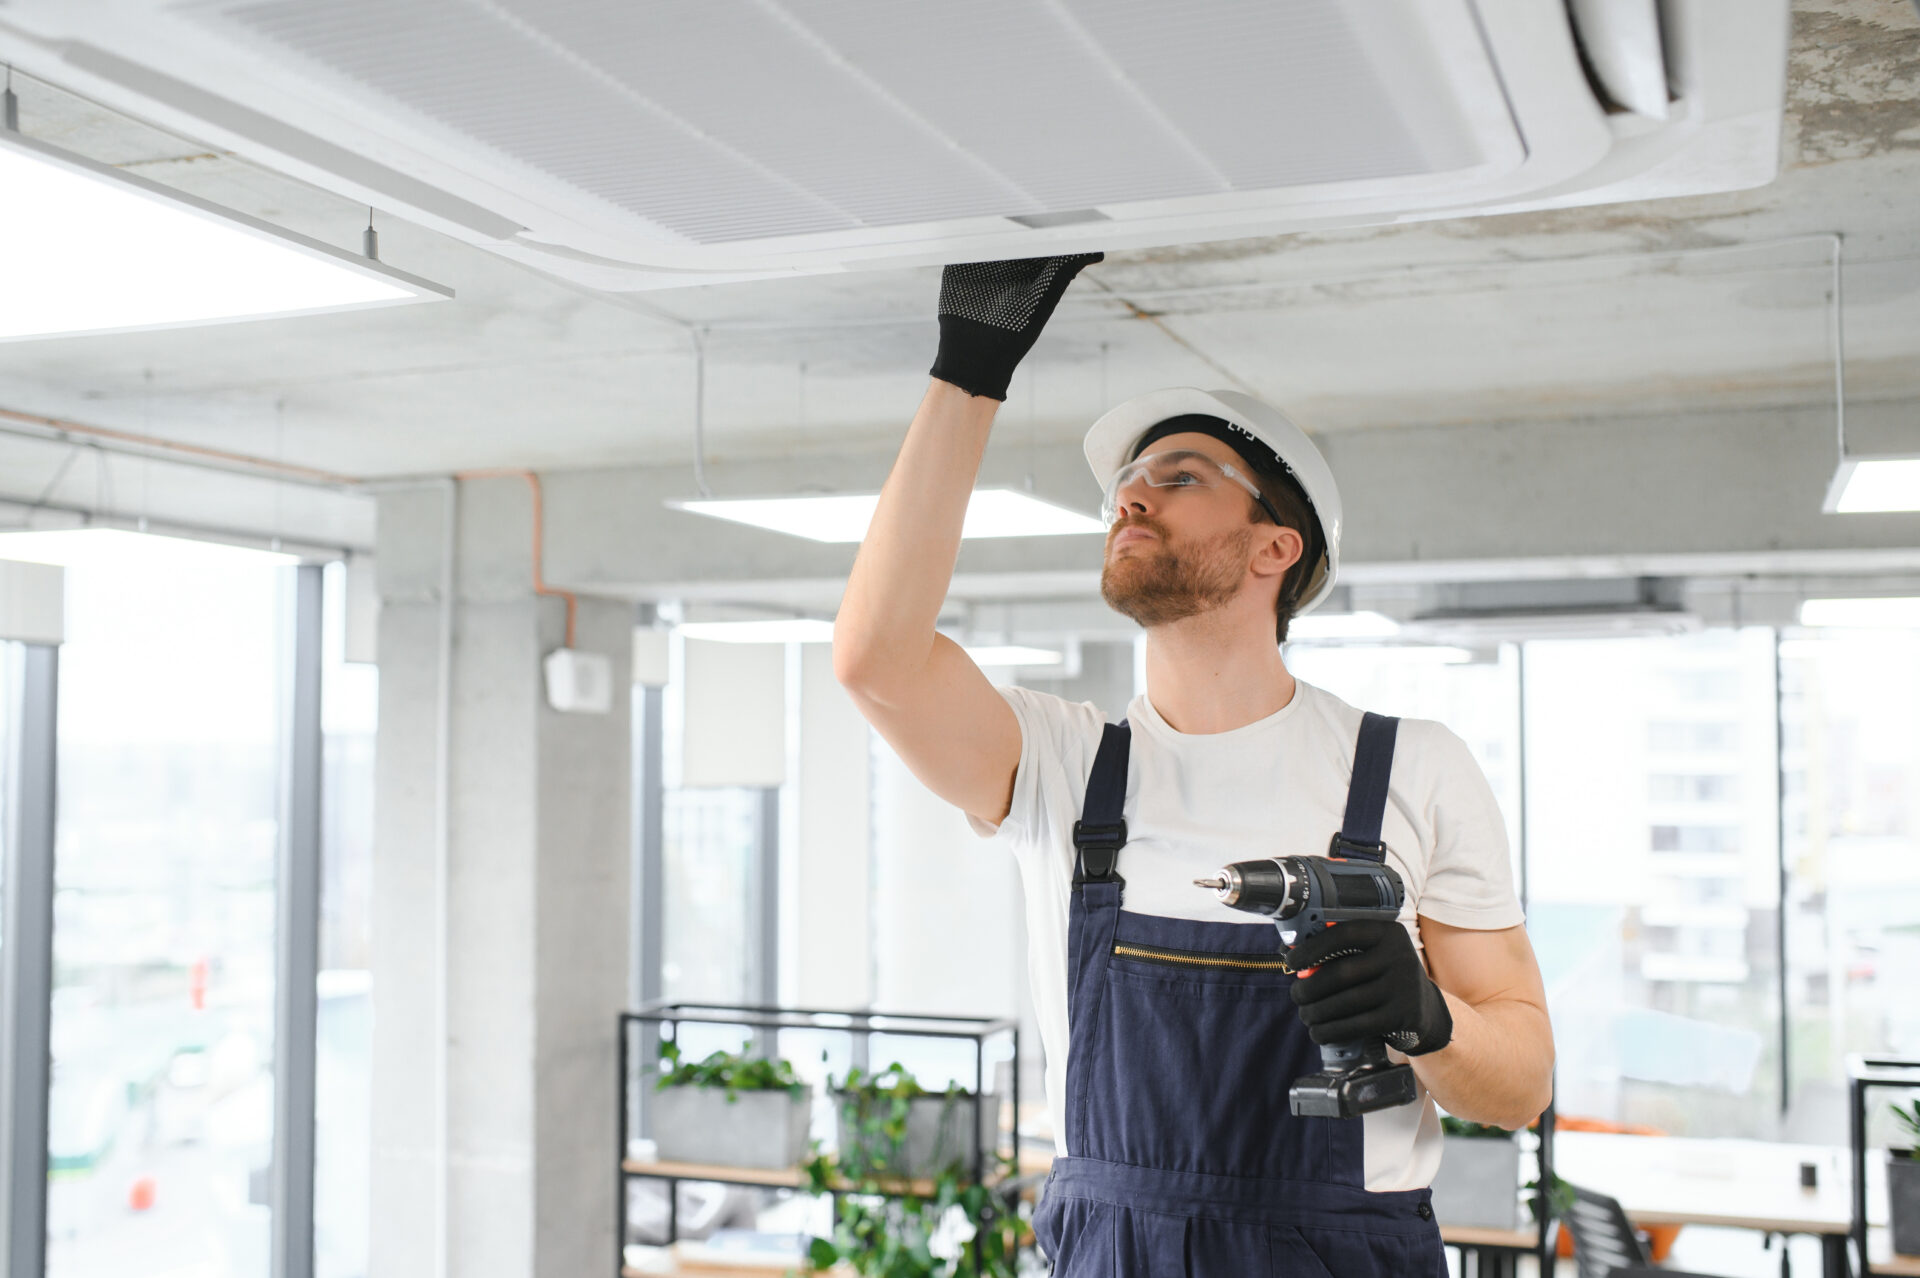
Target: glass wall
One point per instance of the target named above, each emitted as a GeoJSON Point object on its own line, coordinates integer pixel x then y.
{"type": "Point", "coordinates": [1850, 705]}
{"type": "Point", "coordinates": [10, 689]}
{"type": "Point", "coordinates": [169, 764]}
{"type": "Point", "coordinates": [711, 890]}
{"type": "Point", "coordinates": [343, 1066]}
{"type": "Point", "coordinates": [1654, 877]}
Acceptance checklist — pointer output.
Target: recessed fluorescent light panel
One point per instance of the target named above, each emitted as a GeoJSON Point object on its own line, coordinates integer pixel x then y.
{"type": "Point", "coordinates": [992, 512]}
{"type": "Point", "coordinates": [85, 248]}
{"type": "Point", "coordinates": [1342, 625]}
{"type": "Point", "coordinates": [776, 630]}
{"type": "Point", "coordinates": [1875, 485]}
{"type": "Point", "coordinates": [89, 547]}
{"type": "Point", "coordinates": [1014, 655]}
{"type": "Point", "coordinates": [1867, 614]}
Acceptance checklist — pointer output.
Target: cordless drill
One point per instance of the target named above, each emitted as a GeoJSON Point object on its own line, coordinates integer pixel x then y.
{"type": "Point", "coordinates": [1302, 895]}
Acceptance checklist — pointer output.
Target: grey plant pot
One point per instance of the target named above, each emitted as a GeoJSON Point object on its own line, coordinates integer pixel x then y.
{"type": "Point", "coordinates": [1478, 1183]}
{"type": "Point", "coordinates": [767, 1130]}
{"type": "Point", "coordinates": [1903, 1203]}
{"type": "Point", "coordinates": [936, 1136]}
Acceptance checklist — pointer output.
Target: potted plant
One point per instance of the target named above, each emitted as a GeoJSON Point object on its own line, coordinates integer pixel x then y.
{"type": "Point", "coordinates": [1903, 1180]}
{"type": "Point", "coordinates": [958, 1231]}
{"type": "Point", "coordinates": [891, 1126]}
{"type": "Point", "coordinates": [730, 1110]}
{"type": "Point", "coordinates": [1478, 1183]}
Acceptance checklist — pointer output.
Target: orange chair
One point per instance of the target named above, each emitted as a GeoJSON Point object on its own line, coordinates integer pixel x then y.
{"type": "Point", "coordinates": [1659, 1237]}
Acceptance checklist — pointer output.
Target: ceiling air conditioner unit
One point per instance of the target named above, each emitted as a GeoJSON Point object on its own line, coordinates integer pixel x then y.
{"type": "Point", "coordinates": [639, 145]}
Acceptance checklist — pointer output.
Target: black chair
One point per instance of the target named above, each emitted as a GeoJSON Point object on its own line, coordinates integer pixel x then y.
{"type": "Point", "coordinates": [1605, 1244]}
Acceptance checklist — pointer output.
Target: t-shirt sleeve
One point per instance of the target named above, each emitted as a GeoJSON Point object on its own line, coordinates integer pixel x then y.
{"type": "Point", "coordinates": [1469, 879]}
{"type": "Point", "coordinates": [1057, 738]}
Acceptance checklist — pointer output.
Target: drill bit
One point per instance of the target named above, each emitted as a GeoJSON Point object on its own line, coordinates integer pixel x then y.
{"type": "Point", "coordinates": [1216, 882]}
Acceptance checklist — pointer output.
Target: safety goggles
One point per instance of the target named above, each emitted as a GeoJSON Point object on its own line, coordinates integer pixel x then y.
{"type": "Point", "coordinates": [1178, 468]}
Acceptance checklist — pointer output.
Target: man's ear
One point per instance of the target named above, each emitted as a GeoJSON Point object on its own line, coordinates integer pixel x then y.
{"type": "Point", "coordinates": [1278, 550]}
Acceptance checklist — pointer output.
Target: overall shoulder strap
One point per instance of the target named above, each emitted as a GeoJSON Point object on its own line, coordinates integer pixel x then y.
{"type": "Point", "coordinates": [1101, 831]}
{"type": "Point", "coordinates": [1359, 836]}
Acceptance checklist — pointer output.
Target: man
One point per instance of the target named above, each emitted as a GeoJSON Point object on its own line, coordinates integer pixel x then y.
{"type": "Point", "coordinates": [1171, 1032]}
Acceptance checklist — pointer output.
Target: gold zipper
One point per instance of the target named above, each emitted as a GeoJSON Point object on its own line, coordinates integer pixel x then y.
{"type": "Point", "coordinates": [1187, 958]}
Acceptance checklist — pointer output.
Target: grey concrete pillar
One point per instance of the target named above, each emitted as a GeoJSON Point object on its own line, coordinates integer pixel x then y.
{"type": "Point", "coordinates": [503, 1167]}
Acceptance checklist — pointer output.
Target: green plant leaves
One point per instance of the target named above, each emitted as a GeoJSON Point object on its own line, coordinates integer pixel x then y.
{"type": "Point", "coordinates": [735, 1072]}
{"type": "Point", "coordinates": [878, 1232]}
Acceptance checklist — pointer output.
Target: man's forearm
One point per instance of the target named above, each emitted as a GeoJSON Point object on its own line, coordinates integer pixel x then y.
{"type": "Point", "coordinates": [901, 575]}
{"type": "Point", "coordinates": [1498, 1067]}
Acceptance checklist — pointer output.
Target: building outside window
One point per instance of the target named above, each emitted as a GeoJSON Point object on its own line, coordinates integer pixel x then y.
{"type": "Point", "coordinates": [1654, 877]}
{"type": "Point", "coordinates": [170, 746]}
{"type": "Point", "coordinates": [1851, 761]}
{"type": "Point", "coordinates": [343, 1041]}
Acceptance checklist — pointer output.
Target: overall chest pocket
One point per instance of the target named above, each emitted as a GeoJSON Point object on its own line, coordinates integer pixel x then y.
{"type": "Point", "coordinates": [1189, 1065]}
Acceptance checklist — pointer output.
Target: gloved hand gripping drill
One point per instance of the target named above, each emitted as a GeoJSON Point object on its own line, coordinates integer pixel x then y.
{"type": "Point", "coordinates": [1377, 991]}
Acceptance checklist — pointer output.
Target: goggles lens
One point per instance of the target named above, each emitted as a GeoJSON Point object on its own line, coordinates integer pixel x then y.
{"type": "Point", "coordinates": [1181, 468]}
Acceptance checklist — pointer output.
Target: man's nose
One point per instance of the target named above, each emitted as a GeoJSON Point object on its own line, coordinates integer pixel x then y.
{"type": "Point", "coordinates": [1134, 495]}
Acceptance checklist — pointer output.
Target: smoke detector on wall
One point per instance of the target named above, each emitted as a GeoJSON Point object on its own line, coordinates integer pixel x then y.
{"type": "Point", "coordinates": [631, 146]}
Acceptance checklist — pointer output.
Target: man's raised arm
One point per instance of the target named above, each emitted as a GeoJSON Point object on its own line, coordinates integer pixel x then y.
{"type": "Point", "coordinates": [918, 688]}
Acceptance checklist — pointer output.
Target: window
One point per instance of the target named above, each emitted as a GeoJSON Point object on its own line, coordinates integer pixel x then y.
{"type": "Point", "coordinates": [1666, 788]}
{"type": "Point", "coordinates": [1695, 838]}
{"type": "Point", "coordinates": [1654, 877]}
{"type": "Point", "coordinates": [343, 1040]}
{"type": "Point", "coordinates": [161, 1105]}
{"type": "Point", "coordinates": [10, 676]}
{"type": "Point", "coordinates": [711, 889]}
{"type": "Point", "coordinates": [1852, 824]}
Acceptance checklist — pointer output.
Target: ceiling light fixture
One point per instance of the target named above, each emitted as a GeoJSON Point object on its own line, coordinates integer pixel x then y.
{"type": "Point", "coordinates": [1862, 484]}
{"type": "Point", "coordinates": [92, 547]}
{"type": "Point", "coordinates": [776, 630]}
{"type": "Point", "coordinates": [1870, 485]}
{"type": "Point", "coordinates": [1342, 625]}
{"type": "Point", "coordinates": [87, 248]}
{"type": "Point", "coordinates": [1893, 613]}
{"type": "Point", "coordinates": [1009, 654]}
{"type": "Point", "coordinates": [843, 517]}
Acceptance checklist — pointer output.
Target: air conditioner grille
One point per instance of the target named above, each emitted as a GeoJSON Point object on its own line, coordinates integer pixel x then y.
{"type": "Point", "coordinates": [832, 115]}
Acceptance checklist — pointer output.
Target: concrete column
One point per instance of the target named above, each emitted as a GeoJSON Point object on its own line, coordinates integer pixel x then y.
{"type": "Point", "coordinates": [535, 950]}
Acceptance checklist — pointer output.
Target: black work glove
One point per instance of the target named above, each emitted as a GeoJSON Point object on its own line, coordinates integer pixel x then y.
{"type": "Point", "coordinates": [990, 314]}
{"type": "Point", "coordinates": [1363, 979]}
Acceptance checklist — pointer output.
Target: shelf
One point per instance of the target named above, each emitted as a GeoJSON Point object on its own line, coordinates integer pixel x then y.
{"type": "Point", "coordinates": [1885, 1261]}
{"type": "Point", "coordinates": [785, 1178]}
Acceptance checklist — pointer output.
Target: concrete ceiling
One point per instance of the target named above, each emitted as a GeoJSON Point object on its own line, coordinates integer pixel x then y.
{"type": "Point", "coordinates": [1625, 311]}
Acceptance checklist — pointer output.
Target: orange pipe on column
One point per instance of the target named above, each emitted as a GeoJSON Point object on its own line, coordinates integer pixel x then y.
{"type": "Point", "coordinates": [540, 586]}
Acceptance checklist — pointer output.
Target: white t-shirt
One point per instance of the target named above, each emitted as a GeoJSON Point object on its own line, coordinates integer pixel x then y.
{"type": "Point", "coordinates": [1275, 787]}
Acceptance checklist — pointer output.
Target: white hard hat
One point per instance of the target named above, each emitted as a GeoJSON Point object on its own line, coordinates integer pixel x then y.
{"type": "Point", "coordinates": [1111, 441]}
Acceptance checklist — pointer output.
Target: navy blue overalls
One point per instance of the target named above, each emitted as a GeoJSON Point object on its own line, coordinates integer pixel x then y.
{"type": "Point", "coordinates": [1183, 1160]}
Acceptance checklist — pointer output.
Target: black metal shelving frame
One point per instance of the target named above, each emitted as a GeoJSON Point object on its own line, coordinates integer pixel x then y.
{"type": "Point", "coordinates": [669, 1014]}
{"type": "Point", "coordinates": [1864, 1073]}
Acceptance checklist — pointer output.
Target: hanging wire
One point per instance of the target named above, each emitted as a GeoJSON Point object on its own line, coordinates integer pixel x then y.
{"type": "Point", "coordinates": [1839, 352]}
{"type": "Point", "coordinates": [700, 411]}
{"type": "Point", "coordinates": [146, 462]}
{"type": "Point", "coordinates": [279, 455]}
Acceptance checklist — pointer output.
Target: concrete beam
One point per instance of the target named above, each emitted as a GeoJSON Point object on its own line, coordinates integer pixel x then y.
{"type": "Point", "coordinates": [1702, 493]}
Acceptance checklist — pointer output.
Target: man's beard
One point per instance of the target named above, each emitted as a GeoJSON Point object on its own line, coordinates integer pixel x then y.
{"type": "Point", "coordinates": [1161, 586]}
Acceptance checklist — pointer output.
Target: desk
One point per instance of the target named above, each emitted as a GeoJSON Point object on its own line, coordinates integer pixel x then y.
{"type": "Point", "coordinates": [1739, 1184]}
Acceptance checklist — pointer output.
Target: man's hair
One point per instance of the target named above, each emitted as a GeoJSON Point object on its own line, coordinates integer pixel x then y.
{"type": "Point", "coordinates": [1296, 512]}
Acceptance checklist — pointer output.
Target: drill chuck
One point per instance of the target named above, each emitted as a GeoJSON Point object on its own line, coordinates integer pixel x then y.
{"type": "Point", "coordinates": [1260, 887]}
